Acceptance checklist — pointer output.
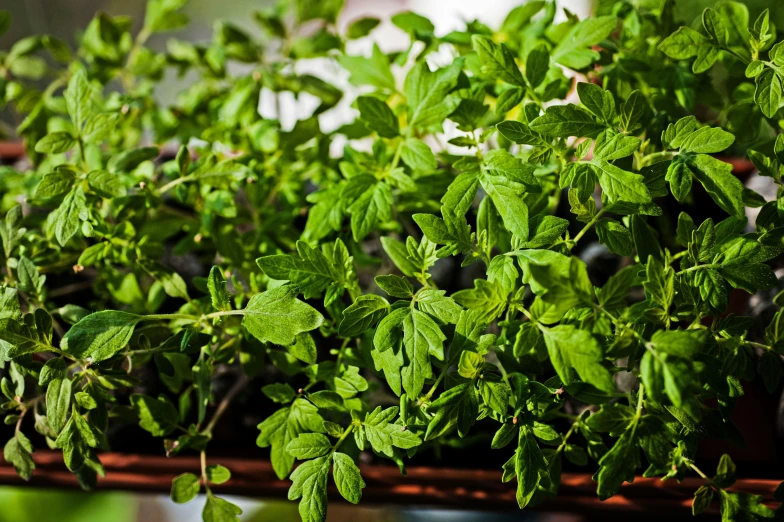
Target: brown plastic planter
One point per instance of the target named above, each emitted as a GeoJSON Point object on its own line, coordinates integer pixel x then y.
{"type": "Point", "coordinates": [440, 487]}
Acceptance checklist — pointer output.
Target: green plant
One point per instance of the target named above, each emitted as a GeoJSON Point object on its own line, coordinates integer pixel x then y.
{"type": "Point", "coordinates": [295, 233]}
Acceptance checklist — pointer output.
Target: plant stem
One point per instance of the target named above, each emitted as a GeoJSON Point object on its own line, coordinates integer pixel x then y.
{"type": "Point", "coordinates": [238, 386]}
{"type": "Point", "coordinates": [693, 268]}
{"type": "Point", "coordinates": [699, 472]}
{"type": "Point", "coordinates": [640, 396]}
{"type": "Point", "coordinates": [168, 317]}
{"type": "Point", "coordinates": [203, 462]}
{"type": "Point", "coordinates": [569, 433]}
{"type": "Point", "coordinates": [225, 312]}
{"type": "Point", "coordinates": [432, 390]}
{"type": "Point", "coordinates": [170, 185]}
{"type": "Point", "coordinates": [342, 438]}
{"type": "Point", "coordinates": [588, 226]}
{"type": "Point", "coordinates": [340, 352]}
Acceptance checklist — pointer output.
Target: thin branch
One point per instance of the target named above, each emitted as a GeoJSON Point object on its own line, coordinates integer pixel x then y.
{"type": "Point", "coordinates": [238, 386]}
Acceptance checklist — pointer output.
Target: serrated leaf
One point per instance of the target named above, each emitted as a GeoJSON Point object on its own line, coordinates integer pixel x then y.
{"type": "Point", "coordinates": [277, 316]}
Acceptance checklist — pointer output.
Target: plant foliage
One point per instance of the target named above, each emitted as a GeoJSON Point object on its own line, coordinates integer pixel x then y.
{"type": "Point", "coordinates": [348, 268]}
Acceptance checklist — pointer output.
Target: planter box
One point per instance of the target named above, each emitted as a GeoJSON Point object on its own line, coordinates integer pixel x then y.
{"type": "Point", "coordinates": [647, 498]}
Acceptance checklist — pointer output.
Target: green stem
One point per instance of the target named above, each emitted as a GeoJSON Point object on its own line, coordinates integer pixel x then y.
{"type": "Point", "coordinates": [81, 154]}
{"type": "Point", "coordinates": [342, 438]}
{"type": "Point", "coordinates": [588, 226]}
{"type": "Point", "coordinates": [432, 390]}
{"type": "Point", "coordinates": [170, 185]}
{"type": "Point", "coordinates": [640, 396]}
{"type": "Point", "coordinates": [169, 317]}
{"type": "Point", "coordinates": [560, 448]}
{"type": "Point", "coordinates": [223, 313]}
{"type": "Point", "coordinates": [696, 267]}
{"type": "Point", "coordinates": [340, 353]}
{"type": "Point", "coordinates": [396, 157]}
{"type": "Point", "coordinates": [203, 462]}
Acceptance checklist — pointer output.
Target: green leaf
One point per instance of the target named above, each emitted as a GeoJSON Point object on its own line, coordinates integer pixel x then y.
{"type": "Point", "coordinates": [770, 368]}
{"type": "Point", "coordinates": [576, 351]}
{"type": "Point", "coordinates": [55, 184]}
{"type": "Point", "coordinates": [457, 406]}
{"type": "Point", "coordinates": [312, 271]}
{"type": "Point", "coordinates": [501, 163]}
{"type": "Point", "coordinates": [618, 465]}
{"type": "Point", "coordinates": [277, 316]}
{"type": "Point", "coordinates": [130, 159]}
{"type": "Point", "coordinates": [378, 116]}
{"type": "Point", "coordinates": [280, 393]}
{"type": "Point", "coordinates": [427, 93]}
{"type": "Point", "coordinates": [373, 71]}
{"type": "Point", "coordinates": [309, 481]}
{"type": "Point", "coordinates": [372, 207]}
{"type": "Point", "coordinates": [702, 499]}
{"type": "Point", "coordinates": [495, 393]}
{"type": "Point", "coordinates": [304, 348]}
{"type": "Point", "coordinates": [597, 100]}
{"type": "Point", "coordinates": [18, 452]}
{"type": "Point", "coordinates": [413, 23]}
{"type": "Point", "coordinates": [497, 61]}
{"type": "Point", "coordinates": [564, 121]}
{"type": "Point", "coordinates": [361, 27]}
{"type": "Point", "coordinates": [417, 155]}
{"type": "Point", "coordinates": [421, 338]}
{"type": "Point", "coordinates": [530, 467]}
{"type": "Point", "coordinates": [573, 49]}
{"type": "Point", "coordinates": [185, 487]}
{"type": "Point", "coordinates": [347, 477]}
{"type": "Point", "coordinates": [620, 185]}
{"type": "Point", "coordinates": [717, 178]}
{"type": "Point", "coordinates": [612, 146]}
{"type": "Point", "coordinates": [219, 294]}
{"type": "Point", "coordinates": [53, 369]}
{"type": "Point", "coordinates": [508, 201]}
{"type": "Point", "coordinates": [55, 143]}
{"type": "Point", "coordinates": [68, 215]}
{"type": "Point", "coordinates": [58, 403]}
{"type": "Point", "coordinates": [616, 236]}
{"type": "Point", "coordinates": [218, 474]}
{"type": "Point", "coordinates": [384, 435]}
{"type": "Point", "coordinates": [683, 43]}
{"type": "Point", "coordinates": [158, 416]}
{"type": "Point", "coordinates": [100, 335]}
{"type": "Point", "coordinates": [283, 426]}
{"type": "Point", "coordinates": [679, 177]}
{"type": "Point", "coordinates": [536, 66]}
{"type": "Point", "coordinates": [79, 98]}
{"type": "Point", "coordinates": [487, 298]}
{"type": "Point", "coordinates": [768, 92]}
{"type": "Point", "coordinates": [725, 472]}
{"type": "Point", "coordinates": [612, 418]}
{"type": "Point", "coordinates": [436, 304]}
{"type": "Point", "coordinates": [707, 140]}
{"type": "Point", "coordinates": [395, 286]}
{"type": "Point", "coordinates": [219, 510]}
{"type": "Point", "coordinates": [686, 344]}
{"type": "Point", "coordinates": [308, 446]}
{"type": "Point", "coordinates": [106, 184]}
{"type": "Point", "coordinates": [739, 506]}
{"type": "Point", "coordinates": [362, 314]}
{"type": "Point", "coordinates": [99, 127]}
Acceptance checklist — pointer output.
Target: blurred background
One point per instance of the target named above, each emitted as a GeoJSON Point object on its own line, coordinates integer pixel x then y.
{"type": "Point", "coordinates": [63, 18]}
